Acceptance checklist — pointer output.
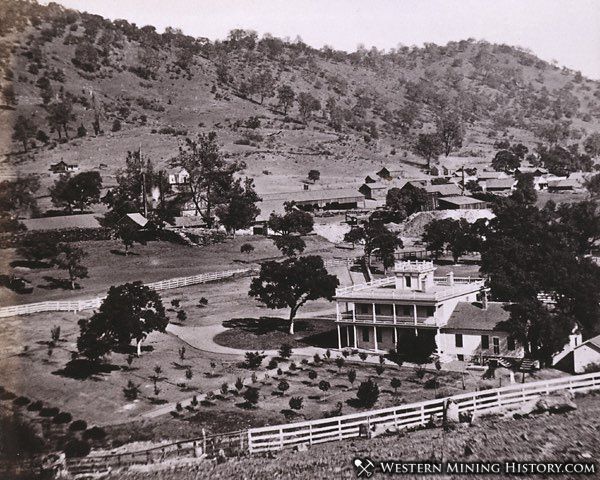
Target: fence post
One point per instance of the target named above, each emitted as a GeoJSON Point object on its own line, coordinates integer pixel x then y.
{"type": "Point", "coordinates": [341, 436]}
{"type": "Point", "coordinates": [204, 442]}
{"type": "Point", "coordinates": [396, 419]}
{"type": "Point", "coordinates": [422, 414]}
{"type": "Point", "coordinates": [310, 433]}
{"type": "Point", "coordinates": [250, 449]}
{"type": "Point", "coordinates": [281, 438]}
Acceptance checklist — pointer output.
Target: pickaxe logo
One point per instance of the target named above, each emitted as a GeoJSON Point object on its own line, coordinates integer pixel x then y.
{"type": "Point", "coordinates": [364, 467]}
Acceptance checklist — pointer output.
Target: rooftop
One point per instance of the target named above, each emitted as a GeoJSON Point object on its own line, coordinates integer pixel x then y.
{"type": "Point", "coordinates": [65, 222]}
{"type": "Point", "coordinates": [462, 200]}
{"type": "Point", "coordinates": [472, 316]}
{"type": "Point", "coordinates": [384, 289]}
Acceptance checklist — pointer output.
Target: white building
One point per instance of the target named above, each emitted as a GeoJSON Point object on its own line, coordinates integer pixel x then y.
{"type": "Point", "coordinates": [454, 311]}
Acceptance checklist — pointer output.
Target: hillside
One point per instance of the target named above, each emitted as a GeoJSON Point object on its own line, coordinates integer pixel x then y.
{"type": "Point", "coordinates": [371, 104]}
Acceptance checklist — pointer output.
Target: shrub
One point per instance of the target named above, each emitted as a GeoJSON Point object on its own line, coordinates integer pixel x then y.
{"type": "Point", "coordinates": [175, 303]}
{"type": "Point", "coordinates": [283, 386]}
{"type": "Point", "coordinates": [279, 372]}
{"type": "Point", "coordinates": [21, 401]}
{"type": "Point", "coordinates": [48, 412]}
{"type": "Point", "coordinates": [224, 388]}
{"type": "Point", "coordinates": [203, 302]}
{"type": "Point", "coordinates": [293, 366]}
{"type": "Point", "coordinates": [379, 369]}
{"type": "Point", "coordinates": [131, 391]}
{"type": "Point", "coordinates": [78, 426]}
{"type": "Point", "coordinates": [94, 433]}
{"type": "Point", "coordinates": [178, 407]}
{"type": "Point", "coordinates": [285, 351]}
{"type": "Point", "coordinates": [431, 383]}
{"type": "Point", "coordinates": [253, 360]}
{"type": "Point", "coordinates": [239, 384]}
{"type": "Point", "coordinates": [351, 376]}
{"type": "Point", "coordinates": [324, 385]}
{"type": "Point", "coordinates": [368, 393]}
{"type": "Point", "coordinates": [304, 361]}
{"type": "Point", "coordinates": [317, 359]}
{"type": "Point", "coordinates": [296, 403]}
{"type": "Point", "coordinates": [363, 356]}
{"type": "Point", "coordinates": [272, 364]}
{"type": "Point", "coordinates": [328, 353]}
{"type": "Point", "coordinates": [592, 368]}
{"type": "Point", "coordinates": [251, 395]}
{"type": "Point", "coordinates": [339, 361]}
{"type": "Point", "coordinates": [55, 333]}
{"type": "Point", "coordinates": [312, 374]}
{"type": "Point", "coordinates": [247, 248]}
{"type": "Point", "coordinates": [35, 406]}
{"type": "Point", "coordinates": [116, 125]}
{"type": "Point", "coordinates": [181, 315]}
{"type": "Point", "coordinates": [63, 417]}
{"type": "Point", "coordinates": [194, 402]}
{"type": "Point", "coordinates": [345, 353]}
{"type": "Point", "coordinates": [77, 448]}
{"type": "Point", "coordinates": [395, 383]}
{"type": "Point", "coordinates": [81, 131]}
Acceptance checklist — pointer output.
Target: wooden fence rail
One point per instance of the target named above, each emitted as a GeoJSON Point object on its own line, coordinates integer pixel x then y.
{"type": "Point", "coordinates": [406, 416]}
{"type": "Point", "coordinates": [77, 305]}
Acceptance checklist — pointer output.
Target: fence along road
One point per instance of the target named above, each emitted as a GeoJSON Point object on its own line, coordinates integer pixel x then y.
{"type": "Point", "coordinates": [278, 437]}
{"type": "Point", "coordinates": [77, 305]}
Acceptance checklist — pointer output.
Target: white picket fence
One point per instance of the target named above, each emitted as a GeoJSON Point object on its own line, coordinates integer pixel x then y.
{"type": "Point", "coordinates": [278, 437]}
{"type": "Point", "coordinates": [77, 305]}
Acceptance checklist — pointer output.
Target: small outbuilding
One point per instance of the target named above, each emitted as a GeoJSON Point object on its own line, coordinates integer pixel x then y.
{"type": "Point", "coordinates": [461, 202]}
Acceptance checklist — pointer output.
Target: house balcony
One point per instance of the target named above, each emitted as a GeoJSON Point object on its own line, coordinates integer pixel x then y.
{"type": "Point", "coordinates": [399, 320]}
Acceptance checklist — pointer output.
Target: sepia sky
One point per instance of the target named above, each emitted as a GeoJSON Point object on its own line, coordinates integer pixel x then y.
{"type": "Point", "coordinates": [565, 30]}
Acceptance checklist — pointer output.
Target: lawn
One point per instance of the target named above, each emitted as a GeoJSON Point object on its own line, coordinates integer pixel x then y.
{"type": "Point", "coordinates": [157, 260]}
{"type": "Point", "coordinates": [269, 333]}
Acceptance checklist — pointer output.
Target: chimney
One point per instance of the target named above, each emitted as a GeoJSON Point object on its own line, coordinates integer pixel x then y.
{"type": "Point", "coordinates": [450, 279]}
{"type": "Point", "coordinates": [484, 299]}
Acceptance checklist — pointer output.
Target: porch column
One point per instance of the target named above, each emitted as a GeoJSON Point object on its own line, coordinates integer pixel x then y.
{"type": "Point", "coordinates": [394, 313]}
{"type": "Point", "coordinates": [375, 338]}
{"type": "Point", "coordinates": [374, 319]}
{"type": "Point", "coordinates": [339, 333]}
{"type": "Point", "coordinates": [395, 337]}
{"type": "Point", "coordinates": [355, 337]}
{"type": "Point", "coordinates": [354, 312]}
{"type": "Point", "coordinates": [337, 311]}
{"type": "Point", "coordinates": [415, 318]}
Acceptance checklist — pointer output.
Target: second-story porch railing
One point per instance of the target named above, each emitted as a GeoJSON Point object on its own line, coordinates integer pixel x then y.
{"type": "Point", "coordinates": [385, 319]}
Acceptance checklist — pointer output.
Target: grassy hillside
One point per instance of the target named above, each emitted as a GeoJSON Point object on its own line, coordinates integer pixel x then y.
{"type": "Point", "coordinates": [164, 87]}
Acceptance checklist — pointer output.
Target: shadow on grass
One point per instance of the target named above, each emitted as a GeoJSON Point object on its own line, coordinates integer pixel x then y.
{"type": "Point", "coordinates": [122, 253]}
{"type": "Point", "coordinates": [81, 369]}
{"type": "Point", "coordinates": [272, 332]}
{"type": "Point", "coordinates": [56, 283]}
{"type": "Point", "coordinates": [33, 264]}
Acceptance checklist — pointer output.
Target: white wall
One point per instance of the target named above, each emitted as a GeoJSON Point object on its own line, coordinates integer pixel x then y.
{"type": "Point", "coordinates": [472, 345]}
{"type": "Point", "coordinates": [583, 356]}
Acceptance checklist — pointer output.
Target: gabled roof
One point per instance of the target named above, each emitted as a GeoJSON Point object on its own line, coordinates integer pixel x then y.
{"type": "Point", "coordinates": [591, 342]}
{"type": "Point", "coordinates": [445, 189]}
{"type": "Point", "coordinates": [138, 218]}
{"type": "Point", "coordinates": [488, 175]}
{"type": "Point", "coordinates": [462, 200]}
{"type": "Point", "coordinates": [65, 222]}
{"type": "Point", "coordinates": [376, 186]}
{"type": "Point", "coordinates": [566, 183]}
{"type": "Point", "coordinates": [500, 183]}
{"type": "Point", "coordinates": [472, 316]}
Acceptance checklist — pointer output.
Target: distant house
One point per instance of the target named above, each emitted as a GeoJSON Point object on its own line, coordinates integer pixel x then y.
{"type": "Point", "coordinates": [370, 179]}
{"type": "Point", "coordinates": [374, 191]}
{"type": "Point", "coordinates": [179, 177]}
{"type": "Point", "coordinates": [490, 175]}
{"type": "Point", "coordinates": [65, 222]}
{"type": "Point", "coordinates": [63, 167]}
{"type": "Point", "coordinates": [434, 192]}
{"type": "Point", "coordinates": [564, 185]}
{"type": "Point", "coordinates": [499, 185]}
{"type": "Point", "coordinates": [390, 173]}
{"type": "Point", "coordinates": [135, 219]}
{"type": "Point", "coordinates": [328, 199]}
{"type": "Point", "coordinates": [461, 202]}
{"type": "Point", "coordinates": [586, 354]}
{"type": "Point", "coordinates": [442, 171]}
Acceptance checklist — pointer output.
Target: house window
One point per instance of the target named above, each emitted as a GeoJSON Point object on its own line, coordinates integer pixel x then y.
{"type": "Point", "coordinates": [378, 309]}
{"type": "Point", "coordinates": [365, 334]}
{"type": "Point", "coordinates": [363, 308]}
{"type": "Point", "coordinates": [460, 357]}
{"type": "Point", "coordinates": [510, 343]}
{"type": "Point", "coordinates": [496, 342]}
{"type": "Point", "coordinates": [458, 340]}
{"type": "Point", "coordinates": [379, 334]}
{"type": "Point", "coordinates": [407, 280]}
{"type": "Point", "coordinates": [430, 311]}
{"type": "Point", "coordinates": [406, 310]}
{"type": "Point", "coordinates": [485, 342]}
